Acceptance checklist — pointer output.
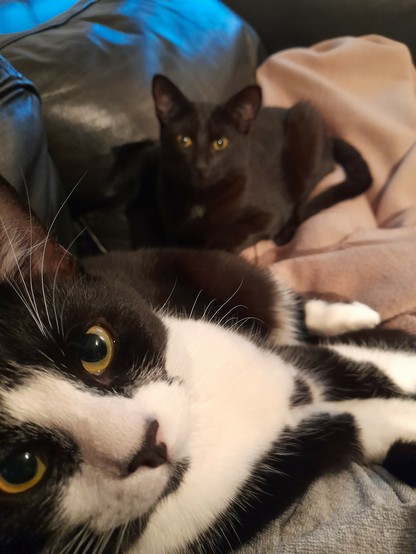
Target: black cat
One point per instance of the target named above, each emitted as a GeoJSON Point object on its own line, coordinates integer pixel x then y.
{"type": "Point", "coordinates": [226, 176]}
{"type": "Point", "coordinates": [144, 409]}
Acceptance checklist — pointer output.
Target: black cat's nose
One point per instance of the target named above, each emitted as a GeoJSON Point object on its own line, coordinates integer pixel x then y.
{"type": "Point", "coordinates": [150, 454]}
{"type": "Point", "coordinates": [202, 169]}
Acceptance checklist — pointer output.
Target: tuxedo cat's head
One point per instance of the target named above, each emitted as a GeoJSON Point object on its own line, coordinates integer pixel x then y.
{"type": "Point", "coordinates": [93, 424]}
{"type": "Point", "coordinates": [203, 143]}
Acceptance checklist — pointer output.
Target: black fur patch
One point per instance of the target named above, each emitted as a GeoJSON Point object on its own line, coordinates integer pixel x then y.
{"type": "Point", "coordinates": [401, 462]}
{"type": "Point", "coordinates": [213, 285]}
{"type": "Point", "coordinates": [341, 378]}
{"type": "Point", "coordinates": [302, 393]}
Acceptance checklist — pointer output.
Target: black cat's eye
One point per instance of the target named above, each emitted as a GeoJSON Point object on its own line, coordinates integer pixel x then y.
{"type": "Point", "coordinates": [21, 472]}
{"type": "Point", "coordinates": [220, 143]}
{"type": "Point", "coordinates": [96, 349]}
{"type": "Point", "coordinates": [184, 141]}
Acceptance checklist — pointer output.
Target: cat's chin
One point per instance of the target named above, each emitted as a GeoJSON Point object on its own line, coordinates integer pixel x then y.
{"type": "Point", "coordinates": [108, 503]}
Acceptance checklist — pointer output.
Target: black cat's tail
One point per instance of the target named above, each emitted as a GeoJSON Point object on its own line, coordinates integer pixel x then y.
{"type": "Point", "coordinates": [358, 179]}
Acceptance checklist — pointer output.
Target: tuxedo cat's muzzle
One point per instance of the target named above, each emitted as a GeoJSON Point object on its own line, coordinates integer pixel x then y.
{"type": "Point", "coordinates": [151, 453]}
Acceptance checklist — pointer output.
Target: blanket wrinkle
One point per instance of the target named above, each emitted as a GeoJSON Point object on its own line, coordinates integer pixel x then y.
{"type": "Point", "coordinates": [365, 248]}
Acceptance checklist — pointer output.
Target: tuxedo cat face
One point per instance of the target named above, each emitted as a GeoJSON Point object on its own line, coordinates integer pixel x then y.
{"type": "Point", "coordinates": [201, 142]}
{"type": "Point", "coordinates": [93, 404]}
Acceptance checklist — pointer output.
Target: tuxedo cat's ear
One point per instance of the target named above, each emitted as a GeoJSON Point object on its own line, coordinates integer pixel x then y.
{"type": "Point", "coordinates": [26, 248]}
{"type": "Point", "coordinates": [243, 107]}
{"type": "Point", "coordinates": [169, 100]}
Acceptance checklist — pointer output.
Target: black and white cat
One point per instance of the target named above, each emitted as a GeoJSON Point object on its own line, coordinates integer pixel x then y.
{"type": "Point", "coordinates": [137, 416]}
{"type": "Point", "coordinates": [229, 175]}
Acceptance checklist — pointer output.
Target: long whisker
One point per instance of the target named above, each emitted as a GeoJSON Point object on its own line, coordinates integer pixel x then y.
{"type": "Point", "coordinates": [194, 304]}
{"type": "Point", "coordinates": [160, 310]}
{"type": "Point", "coordinates": [34, 311]}
{"type": "Point", "coordinates": [31, 241]}
{"type": "Point", "coordinates": [46, 243]}
{"type": "Point", "coordinates": [65, 253]}
{"type": "Point", "coordinates": [228, 300]}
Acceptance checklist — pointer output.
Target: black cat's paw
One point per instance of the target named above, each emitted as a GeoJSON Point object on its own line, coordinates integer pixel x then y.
{"type": "Point", "coordinates": [401, 462]}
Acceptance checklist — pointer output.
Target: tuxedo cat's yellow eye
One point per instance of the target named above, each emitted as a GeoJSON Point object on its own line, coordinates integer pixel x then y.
{"type": "Point", "coordinates": [184, 141]}
{"type": "Point", "coordinates": [220, 143]}
{"type": "Point", "coordinates": [20, 472]}
{"type": "Point", "coordinates": [96, 350]}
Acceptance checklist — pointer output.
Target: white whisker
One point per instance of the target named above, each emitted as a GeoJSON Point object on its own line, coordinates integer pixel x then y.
{"type": "Point", "coordinates": [48, 234]}
{"type": "Point", "coordinates": [65, 253]}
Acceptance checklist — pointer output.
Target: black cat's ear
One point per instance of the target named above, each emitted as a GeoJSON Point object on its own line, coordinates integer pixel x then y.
{"type": "Point", "coordinates": [169, 100]}
{"type": "Point", "coordinates": [26, 248]}
{"type": "Point", "coordinates": [243, 107]}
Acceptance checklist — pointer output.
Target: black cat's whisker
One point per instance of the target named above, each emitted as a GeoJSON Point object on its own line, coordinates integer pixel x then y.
{"type": "Point", "coordinates": [48, 234]}
{"type": "Point", "coordinates": [228, 300]}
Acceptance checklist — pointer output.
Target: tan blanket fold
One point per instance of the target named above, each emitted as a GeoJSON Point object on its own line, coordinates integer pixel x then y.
{"type": "Point", "coordinates": [362, 249]}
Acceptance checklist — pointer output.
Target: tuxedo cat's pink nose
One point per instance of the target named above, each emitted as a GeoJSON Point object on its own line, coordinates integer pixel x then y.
{"type": "Point", "coordinates": [151, 453]}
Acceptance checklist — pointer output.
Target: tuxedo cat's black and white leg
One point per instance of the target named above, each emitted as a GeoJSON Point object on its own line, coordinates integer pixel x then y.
{"type": "Point", "coordinates": [385, 430]}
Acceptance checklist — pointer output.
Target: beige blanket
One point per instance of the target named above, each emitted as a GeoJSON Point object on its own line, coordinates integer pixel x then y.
{"type": "Point", "coordinates": [363, 249]}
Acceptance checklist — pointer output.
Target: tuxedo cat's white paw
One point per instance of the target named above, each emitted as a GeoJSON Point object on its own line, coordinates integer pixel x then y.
{"type": "Point", "coordinates": [326, 318]}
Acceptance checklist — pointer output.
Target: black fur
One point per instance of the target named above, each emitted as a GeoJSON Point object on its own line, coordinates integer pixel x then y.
{"type": "Point", "coordinates": [401, 462]}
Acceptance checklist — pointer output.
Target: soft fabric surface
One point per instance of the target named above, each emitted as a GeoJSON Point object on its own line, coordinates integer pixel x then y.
{"type": "Point", "coordinates": [363, 249]}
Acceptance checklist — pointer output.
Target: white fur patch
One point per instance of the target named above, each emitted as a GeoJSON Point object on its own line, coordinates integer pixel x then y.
{"type": "Point", "coordinates": [326, 318]}
{"type": "Point", "coordinates": [400, 367]}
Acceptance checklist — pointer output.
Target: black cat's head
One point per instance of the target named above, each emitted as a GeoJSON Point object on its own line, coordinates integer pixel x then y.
{"type": "Point", "coordinates": [204, 143]}
{"type": "Point", "coordinates": [93, 424]}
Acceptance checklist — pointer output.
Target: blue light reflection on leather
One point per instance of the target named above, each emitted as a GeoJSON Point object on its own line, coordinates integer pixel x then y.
{"type": "Point", "coordinates": [99, 34]}
{"type": "Point", "coordinates": [16, 16]}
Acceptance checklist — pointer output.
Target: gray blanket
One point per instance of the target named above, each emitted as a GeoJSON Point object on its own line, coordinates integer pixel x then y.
{"type": "Point", "coordinates": [359, 511]}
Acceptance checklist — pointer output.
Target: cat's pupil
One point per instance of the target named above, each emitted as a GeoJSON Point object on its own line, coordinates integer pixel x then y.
{"type": "Point", "coordinates": [19, 469]}
{"type": "Point", "coordinates": [92, 348]}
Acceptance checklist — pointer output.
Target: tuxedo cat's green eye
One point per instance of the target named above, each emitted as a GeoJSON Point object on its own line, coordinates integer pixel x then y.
{"type": "Point", "coordinates": [184, 141]}
{"type": "Point", "coordinates": [96, 350]}
{"type": "Point", "coordinates": [220, 143]}
{"type": "Point", "coordinates": [20, 472]}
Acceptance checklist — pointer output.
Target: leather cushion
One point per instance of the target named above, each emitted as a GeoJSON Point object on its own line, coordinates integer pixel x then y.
{"type": "Point", "coordinates": [24, 158]}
